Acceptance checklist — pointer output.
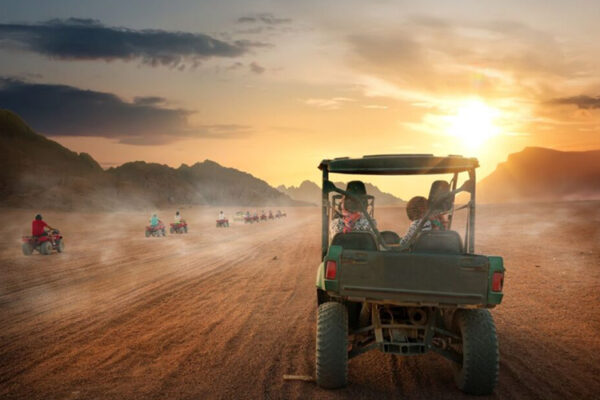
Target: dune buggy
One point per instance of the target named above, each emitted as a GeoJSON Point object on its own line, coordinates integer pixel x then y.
{"type": "Point", "coordinates": [43, 244]}
{"type": "Point", "coordinates": [431, 293]}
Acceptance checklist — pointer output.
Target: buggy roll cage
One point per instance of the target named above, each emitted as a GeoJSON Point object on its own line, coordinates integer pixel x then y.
{"type": "Point", "coordinates": [402, 164]}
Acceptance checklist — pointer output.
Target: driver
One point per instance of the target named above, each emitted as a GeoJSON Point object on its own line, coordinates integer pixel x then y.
{"type": "Point", "coordinates": [154, 220]}
{"type": "Point", "coordinates": [177, 217]}
{"type": "Point", "coordinates": [221, 216]}
{"type": "Point", "coordinates": [39, 226]}
{"type": "Point", "coordinates": [352, 218]}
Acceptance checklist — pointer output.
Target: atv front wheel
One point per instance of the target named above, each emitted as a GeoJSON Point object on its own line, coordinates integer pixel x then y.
{"type": "Point", "coordinates": [148, 233]}
{"type": "Point", "coordinates": [27, 249]}
{"type": "Point", "coordinates": [172, 230]}
{"type": "Point", "coordinates": [332, 345]}
{"type": "Point", "coordinates": [60, 245]}
{"type": "Point", "coordinates": [185, 229]}
{"type": "Point", "coordinates": [478, 373]}
{"type": "Point", "coordinates": [46, 248]}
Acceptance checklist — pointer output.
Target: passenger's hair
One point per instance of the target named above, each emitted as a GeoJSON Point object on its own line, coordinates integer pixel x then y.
{"type": "Point", "coordinates": [415, 208]}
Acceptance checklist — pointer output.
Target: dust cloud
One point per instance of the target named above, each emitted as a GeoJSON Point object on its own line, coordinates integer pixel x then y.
{"type": "Point", "coordinates": [226, 312]}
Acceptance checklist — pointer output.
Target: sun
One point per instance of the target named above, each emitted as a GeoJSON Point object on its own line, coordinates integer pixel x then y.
{"type": "Point", "coordinates": [474, 123]}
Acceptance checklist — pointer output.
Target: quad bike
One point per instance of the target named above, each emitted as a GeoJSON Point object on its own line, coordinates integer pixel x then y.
{"type": "Point", "coordinates": [278, 214]}
{"type": "Point", "coordinates": [430, 293]}
{"type": "Point", "coordinates": [239, 216]}
{"type": "Point", "coordinates": [179, 227]}
{"type": "Point", "coordinates": [43, 244]}
{"type": "Point", "coordinates": [158, 230]}
{"type": "Point", "coordinates": [263, 217]}
{"type": "Point", "coordinates": [271, 216]}
{"type": "Point", "coordinates": [248, 219]}
{"type": "Point", "coordinates": [223, 223]}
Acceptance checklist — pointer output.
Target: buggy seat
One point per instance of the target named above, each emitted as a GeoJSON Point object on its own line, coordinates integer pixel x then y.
{"type": "Point", "coordinates": [445, 242]}
{"type": "Point", "coordinates": [355, 241]}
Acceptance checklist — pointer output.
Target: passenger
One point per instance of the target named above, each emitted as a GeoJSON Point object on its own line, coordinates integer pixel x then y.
{"type": "Point", "coordinates": [221, 215]}
{"type": "Point", "coordinates": [154, 220]}
{"type": "Point", "coordinates": [39, 226]}
{"type": "Point", "coordinates": [415, 210]}
{"type": "Point", "coordinates": [352, 218]}
{"type": "Point", "coordinates": [440, 221]}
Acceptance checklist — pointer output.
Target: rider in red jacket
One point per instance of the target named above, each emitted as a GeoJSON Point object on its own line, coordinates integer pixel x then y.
{"type": "Point", "coordinates": [38, 227]}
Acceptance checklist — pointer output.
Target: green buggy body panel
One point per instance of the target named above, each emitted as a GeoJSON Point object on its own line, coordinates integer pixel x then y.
{"type": "Point", "coordinates": [412, 279]}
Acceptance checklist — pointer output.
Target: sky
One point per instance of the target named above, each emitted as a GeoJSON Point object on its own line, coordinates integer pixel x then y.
{"type": "Point", "coordinates": [273, 87]}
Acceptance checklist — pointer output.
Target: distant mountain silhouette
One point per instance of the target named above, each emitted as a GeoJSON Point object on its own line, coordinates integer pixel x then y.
{"type": "Point", "coordinates": [36, 172]}
{"type": "Point", "coordinates": [543, 174]}
{"type": "Point", "coordinates": [310, 192]}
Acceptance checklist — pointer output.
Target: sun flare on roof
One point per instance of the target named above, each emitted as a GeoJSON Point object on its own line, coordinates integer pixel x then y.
{"type": "Point", "coordinates": [474, 123]}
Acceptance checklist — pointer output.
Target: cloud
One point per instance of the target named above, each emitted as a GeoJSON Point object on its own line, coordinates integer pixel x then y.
{"type": "Point", "coordinates": [61, 110]}
{"type": "Point", "coordinates": [334, 103]}
{"type": "Point", "coordinates": [263, 18]}
{"type": "Point", "coordinates": [257, 69]}
{"type": "Point", "coordinates": [149, 100]}
{"type": "Point", "coordinates": [488, 58]}
{"type": "Point", "coordinates": [87, 39]}
{"type": "Point", "coordinates": [582, 101]}
{"type": "Point", "coordinates": [375, 107]}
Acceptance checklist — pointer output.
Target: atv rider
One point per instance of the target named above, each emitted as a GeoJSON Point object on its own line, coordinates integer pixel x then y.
{"type": "Point", "coordinates": [177, 218]}
{"type": "Point", "coordinates": [39, 226]}
{"type": "Point", "coordinates": [352, 218]}
{"type": "Point", "coordinates": [221, 215]}
{"type": "Point", "coordinates": [154, 220]}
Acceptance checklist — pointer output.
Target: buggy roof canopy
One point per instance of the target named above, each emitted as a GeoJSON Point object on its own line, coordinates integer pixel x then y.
{"type": "Point", "coordinates": [399, 164]}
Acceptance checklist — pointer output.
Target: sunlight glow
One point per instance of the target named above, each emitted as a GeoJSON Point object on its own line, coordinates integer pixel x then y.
{"type": "Point", "coordinates": [474, 123]}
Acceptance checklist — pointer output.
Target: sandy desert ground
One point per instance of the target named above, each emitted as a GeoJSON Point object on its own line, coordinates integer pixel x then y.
{"type": "Point", "coordinates": [225, 313]}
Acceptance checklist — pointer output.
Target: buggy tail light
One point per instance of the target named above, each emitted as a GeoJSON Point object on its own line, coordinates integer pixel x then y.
{"type": "Point", "coordinates": [497, 281]}
{"type": "Point", "coordinates": [330, 270]}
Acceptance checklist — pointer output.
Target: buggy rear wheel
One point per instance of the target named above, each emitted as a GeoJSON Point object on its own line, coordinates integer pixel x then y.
{"type": "Point", "coordinates": [27, 248]}
{"type": "Point", "coordinates": [46, 248]}
{"type": "Point", "coordinates": [478, 373]}
{"type": "Point", "coordinates": [332, 345]}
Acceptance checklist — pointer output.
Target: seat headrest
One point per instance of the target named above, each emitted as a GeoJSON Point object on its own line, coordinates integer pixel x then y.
{"type": "Point", "coordinates": [355, 241]}
{"type": "Point", "coordinates": [447, 242]}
